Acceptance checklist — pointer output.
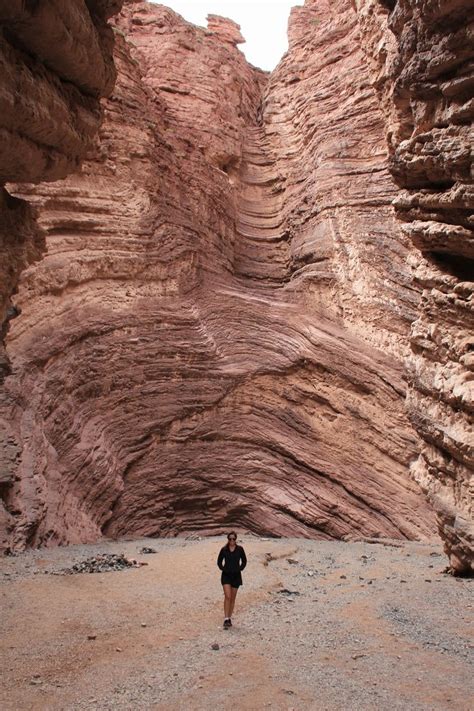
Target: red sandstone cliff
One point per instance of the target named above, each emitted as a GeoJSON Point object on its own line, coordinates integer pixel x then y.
{"type": "Point", "coordinates": [424, 77]}
{"type": "Point", "coordinates": [55, 64]}
{"type": "Point", "coordinates": [215, 334]}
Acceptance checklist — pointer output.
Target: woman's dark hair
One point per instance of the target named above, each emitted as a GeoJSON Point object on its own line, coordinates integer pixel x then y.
{"type": "Point", "coordinates": [231, 533]}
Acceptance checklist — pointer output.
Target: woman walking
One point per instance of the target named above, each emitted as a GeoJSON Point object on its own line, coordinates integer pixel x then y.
{"type": "Point", "coordinates": [231, 560]}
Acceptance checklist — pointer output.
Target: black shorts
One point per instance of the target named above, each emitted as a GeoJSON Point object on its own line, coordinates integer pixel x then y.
{"type": "Point", "coordinates": [232, 579]}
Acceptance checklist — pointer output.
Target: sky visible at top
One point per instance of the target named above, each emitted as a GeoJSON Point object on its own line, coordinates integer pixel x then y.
{"type": "Point", "coordinates": [263, 24]}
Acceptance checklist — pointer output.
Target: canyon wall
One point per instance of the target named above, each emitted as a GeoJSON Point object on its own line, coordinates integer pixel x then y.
{"type": "Point", "coordinates": [424, 75]}
{"type": "Point", "coordinates": [55, 63]}
{"type": "Point", "coordinates": [215, 335]}
{"type": "Point", "coordinates": [345, 245]}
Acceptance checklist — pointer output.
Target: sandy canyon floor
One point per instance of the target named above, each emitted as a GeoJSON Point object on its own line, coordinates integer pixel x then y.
{"type": "Point", "coordinates": [317, 626]}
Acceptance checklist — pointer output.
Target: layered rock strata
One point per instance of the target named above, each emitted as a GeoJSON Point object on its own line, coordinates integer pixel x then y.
{"type": "Point", "coordinates": [193, 344]}
{"type": "Point", "coordinates": [425, 78]}
{"type": "Point", "coordinates": [55, 64]}
{"type": "Point", "coordinates": [321, 112]}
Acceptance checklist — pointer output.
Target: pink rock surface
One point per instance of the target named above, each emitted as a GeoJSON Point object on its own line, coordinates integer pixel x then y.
{"type": "Point", "coordinates": [425, 79]}
{"type": "Point", "coordinates": [323, 118]}
{"type": "Point", "coordinates": [55, 64]}
{"type": "Point", "coordinates": [215, 335]}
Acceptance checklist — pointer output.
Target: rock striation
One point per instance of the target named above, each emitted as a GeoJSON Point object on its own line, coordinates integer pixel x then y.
{"type": "Point", "coordinates": [215, 335]}
{"type": "Point", "coordinates": [426, 82]}
{"type": "Point", "coordinates": [55, 63]}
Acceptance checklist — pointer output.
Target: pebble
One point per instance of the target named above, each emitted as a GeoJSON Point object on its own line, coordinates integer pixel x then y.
{"type": "Point", "coordinates": [327, 635]}
{"type": "Point", "coordinates": [215, 646]}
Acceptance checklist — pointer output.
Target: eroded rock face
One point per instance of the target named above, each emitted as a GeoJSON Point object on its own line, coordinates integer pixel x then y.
{"type": "Point", "coordinates": [425, 71]}
{"type": "Point", "coordinates": [324, 118]}
{"type": "Point", "coordinates": [55, 64]}
{"type": "Point", "coordinates": [192, 346]}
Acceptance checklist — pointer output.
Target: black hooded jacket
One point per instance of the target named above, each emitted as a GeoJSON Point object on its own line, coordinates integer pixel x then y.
{"type": "Point", "coordinates": [232, 562]}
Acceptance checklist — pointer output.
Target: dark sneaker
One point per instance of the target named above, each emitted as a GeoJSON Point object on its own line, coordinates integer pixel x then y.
{"type": "Point", "coordinates": [227, 624]}
{"type": "Point", "coordinates": [230, 622]}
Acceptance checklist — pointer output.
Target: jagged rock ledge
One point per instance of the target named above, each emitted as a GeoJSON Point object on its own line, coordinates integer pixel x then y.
{"type": "Point", "coordinates": [424, 76]}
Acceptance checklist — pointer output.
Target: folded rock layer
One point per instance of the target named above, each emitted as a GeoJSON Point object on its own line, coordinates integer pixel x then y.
{"type": "Point", "coordinates": [215, 335]}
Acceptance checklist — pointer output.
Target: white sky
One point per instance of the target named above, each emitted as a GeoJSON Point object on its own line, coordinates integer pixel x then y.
{"type": "Point", "coordinates": [263, 23]}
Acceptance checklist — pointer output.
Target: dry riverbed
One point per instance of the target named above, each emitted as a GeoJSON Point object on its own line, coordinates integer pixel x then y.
{"type": "Point", "coordinates": [317, 626]}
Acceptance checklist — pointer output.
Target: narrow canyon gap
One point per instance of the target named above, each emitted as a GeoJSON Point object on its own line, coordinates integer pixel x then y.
{"type": "Point", "coordinates": [218, 328]}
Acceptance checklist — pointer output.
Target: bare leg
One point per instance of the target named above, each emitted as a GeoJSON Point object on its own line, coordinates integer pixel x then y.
{"type": "Point", "coordinates": [227, 600]}
{"type": "Point", "coordinates": [233, 595]}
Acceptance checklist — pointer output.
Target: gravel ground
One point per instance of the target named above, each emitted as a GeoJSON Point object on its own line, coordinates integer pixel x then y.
{"type": "Point", "coordinates": [318, 625]}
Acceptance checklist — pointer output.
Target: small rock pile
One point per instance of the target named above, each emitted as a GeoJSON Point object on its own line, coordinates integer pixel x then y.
{"type": "Point", "coordinates": [102, 563]}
